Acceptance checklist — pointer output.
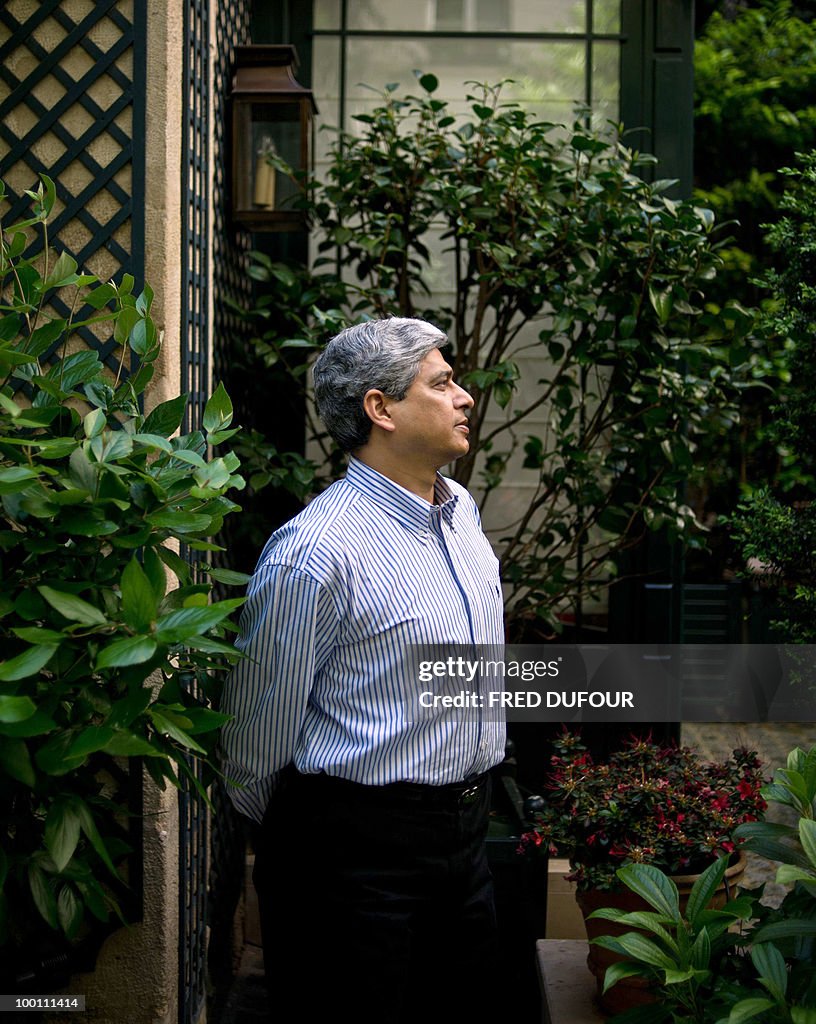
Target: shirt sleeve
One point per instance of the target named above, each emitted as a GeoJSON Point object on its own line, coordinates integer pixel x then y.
{"type": "Point", "coordinates": [287, 629]}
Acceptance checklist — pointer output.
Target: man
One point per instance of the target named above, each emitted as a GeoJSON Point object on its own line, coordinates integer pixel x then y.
{"type": "Point", "coordinates": [370, 866]}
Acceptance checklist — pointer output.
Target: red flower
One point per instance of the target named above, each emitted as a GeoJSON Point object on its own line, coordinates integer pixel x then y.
{"type": "Point", "coordinates": [650, 804]}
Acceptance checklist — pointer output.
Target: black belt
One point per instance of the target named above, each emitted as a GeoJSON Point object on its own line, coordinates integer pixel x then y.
{"type": "Point", "coordinates": [451, 794]}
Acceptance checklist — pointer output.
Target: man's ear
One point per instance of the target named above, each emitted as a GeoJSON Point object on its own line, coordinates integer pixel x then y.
{"type": "Point", "coordinates": [377, 407]}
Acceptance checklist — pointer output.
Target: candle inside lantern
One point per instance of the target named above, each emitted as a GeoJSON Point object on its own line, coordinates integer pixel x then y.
{"type": "Point", "coordinates": [264, 194]}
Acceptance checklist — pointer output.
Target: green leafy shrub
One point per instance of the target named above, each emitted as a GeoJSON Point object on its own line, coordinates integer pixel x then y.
{"type": "Point", "coordinates": [558, 250]}
{"type": "Point", "coordinates": [778, 531]}
{"type": "Point", "coordinates": [110, 644]}
{"type": "Point", "coordinates": [753, 85]}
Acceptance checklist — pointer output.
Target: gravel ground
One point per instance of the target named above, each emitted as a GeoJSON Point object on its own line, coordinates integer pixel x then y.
{"type": "Point", "coordinates": [772, 741]}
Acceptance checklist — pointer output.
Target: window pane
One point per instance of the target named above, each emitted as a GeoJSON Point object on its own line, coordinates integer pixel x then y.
{"type": "Point", "coordinates": [326, 14]}
{"type": "Point", "coordinates": [450, 14]}
{"type": "Point", "coordinates": [326, 88]}
{"type": "Point", "coordinates": [605, 82]}
{"type": "Point", "coordinates": [547, 76]}
{"type": "Point", "coordinates": [470, 15]}
{"type": "Point", "coordinates": [398, 15]}
{"type": "Point", "coordinates": [606, 16]}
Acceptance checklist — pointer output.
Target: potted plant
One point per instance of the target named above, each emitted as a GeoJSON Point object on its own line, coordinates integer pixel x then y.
{"type": "Point", "coordinates": [749, 960]}
{"type": "Point", "coordinates": [660, 805]}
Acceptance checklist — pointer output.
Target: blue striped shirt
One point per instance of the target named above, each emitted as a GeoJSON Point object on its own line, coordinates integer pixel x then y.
{"type": "Point", "coordinates": [339, 592]}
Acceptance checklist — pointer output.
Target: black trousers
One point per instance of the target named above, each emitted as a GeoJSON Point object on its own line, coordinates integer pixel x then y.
{"type": "Point", "coordinates": [382, 898]}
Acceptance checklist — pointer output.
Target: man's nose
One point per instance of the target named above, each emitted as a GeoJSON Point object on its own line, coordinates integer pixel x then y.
{"type": "Point", "coordinates": [462, 398]}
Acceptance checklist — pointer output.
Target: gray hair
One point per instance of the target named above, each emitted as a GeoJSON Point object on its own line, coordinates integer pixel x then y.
{"type": "Point", "coordinates": [381, 354]}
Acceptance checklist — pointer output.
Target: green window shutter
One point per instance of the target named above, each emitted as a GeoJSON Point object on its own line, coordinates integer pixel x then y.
{"type": "Point", "coordinates": [657, 83]}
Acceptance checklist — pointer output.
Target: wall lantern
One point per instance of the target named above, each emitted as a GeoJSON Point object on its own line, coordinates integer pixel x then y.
{"type": "Point", "coordinates": [271, 114]}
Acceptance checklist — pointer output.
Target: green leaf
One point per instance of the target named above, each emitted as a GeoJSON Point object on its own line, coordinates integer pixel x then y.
{"type": "Point", "coordinates": [52, 757]}
{"type": "Point", "coordinates": [88, 826]}
{"type": "Point", "coordinates": [205, 719]}
{"type": "Point", "coordinates": [62, 273]}
{"type": "Point", "coordinates": [770, 964]}
{"type": "Point", "coordinates": [15, 761]}
{"type": "Point", "coordinates": [139, 604]}
{"type": "Point", "coordinates": [126, 710]}
{"type": "Point", "coordinates": [126, 320]}
{"type": "Point", "coordinates": [218, 410]}
{"type": "Point", "coordinates": [100, 296]}
{"type": "Point", "coordinates": [132, 650]}
{"type": "Point", "coordinates": [174, 563]}
{"type": "Point", "coordinates": [94, 423]}
{"type": "Point", "coordinates": [153, 441]}
{"type": "Point", "coordinates": [165, 724]}
{"type": "Point", "coordinates": [35, 725]}
{"type": "Point", "coordinates": [166, 418]}
{"type": "Point", "coordinates": [639, 948]}
{"type": "Point", "coordinates": [787, 874]}
{"type": "Point", "coordinates": [807, 835]}
{"type": "Point", "coordinates": [61, 832]}
{"type": "Point", "coordinates": [88, 740]}
{"type": "Point", "coordinates": [14, 479]}
{"type": "Point", "coordinates": [790, 928]}
{"type": "Point", "coordinates": [678, 977]}
{"type": "Point", "coordinates": [178, 626]}
{"type": "Point", "coordinates": [229, 577]}
{"type": "Point", "coordinates": [210, 646]}
{"type": "Point", "coordinates": [69, 911]}
{"type": "Point", "coordinates": [747, 1009]}
{"type": "Point", "coordinates": [154, 571]}
{"type": "Point", "coordinates": [661, 302]}
{"type": "Point", "coordinates": [701, 950]}
{"type": "Point", "coordinates": [654, 886]}
{"type": "Point", "coordinates": [16, 709]}
{"type": "Point", "coordinates": [128, 744]}
{"type": "Point", "coordinates": [94, 897]}
{"type": "Point", "coordinates": [24, 665]}
{"type": "Point", "coordinates": [111, 445]}
{"type": "Point", "coordinates": [73, 607]}
{"type": "Point", "coordinates": [190, 457]}
{"type": "Point", "coordinates": [77, 368]}
{"type": "Point", "coordinates": [771, 840]}
{"type": "Point", "coordinates": [704, 888]}
{"type": "Point", "coordinates": [638, 919]}
{"type": "Point", "coordinates": [38, 635]}
{"type": "Point", "coordinates": [43, 894]}
{"type": "Point", "coordinates": [618, 971]}
{"type": "Point", "coordinates": [179, 522]}
{"type": "Point", "coordinates": [803, 1015]}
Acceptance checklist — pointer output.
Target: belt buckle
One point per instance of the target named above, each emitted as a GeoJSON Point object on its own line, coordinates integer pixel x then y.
{"type": "Point", "coordinates": [469, 795]}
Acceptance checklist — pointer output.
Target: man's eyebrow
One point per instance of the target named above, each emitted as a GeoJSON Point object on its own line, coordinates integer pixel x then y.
{"type": "Point", "coordinates": [442, 375]}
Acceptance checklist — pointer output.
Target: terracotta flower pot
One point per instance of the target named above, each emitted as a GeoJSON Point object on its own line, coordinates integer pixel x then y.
{"type": "Point", "coordinates": [634, 991]}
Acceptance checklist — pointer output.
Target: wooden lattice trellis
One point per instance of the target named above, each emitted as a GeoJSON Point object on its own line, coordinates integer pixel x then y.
{"type": "Point", "coordinates": [72, 106]}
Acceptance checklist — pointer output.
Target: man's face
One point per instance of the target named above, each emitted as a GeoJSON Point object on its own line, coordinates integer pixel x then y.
{"type": "Point", "coordinates": [431, 421]}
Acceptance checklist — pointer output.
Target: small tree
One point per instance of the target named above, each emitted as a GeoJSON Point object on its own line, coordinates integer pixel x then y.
{"type": "Point", "coordinates": [106, 665]}
{"type": "Point", "coordinates": [781, 537]}
{"type": "Point", "coordinates": [753, 86]}
{"type": "Point", "coordinates": [557, 250]}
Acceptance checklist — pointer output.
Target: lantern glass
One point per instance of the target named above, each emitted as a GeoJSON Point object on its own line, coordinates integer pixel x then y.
{"type": "Point", "coordinates": [267, 129]}
{"type": "Point", "coordinates": [272, 117]}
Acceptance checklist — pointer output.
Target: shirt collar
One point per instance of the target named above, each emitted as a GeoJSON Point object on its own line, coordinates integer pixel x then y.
{"type": "Point", "coordinates": [408, 508]}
